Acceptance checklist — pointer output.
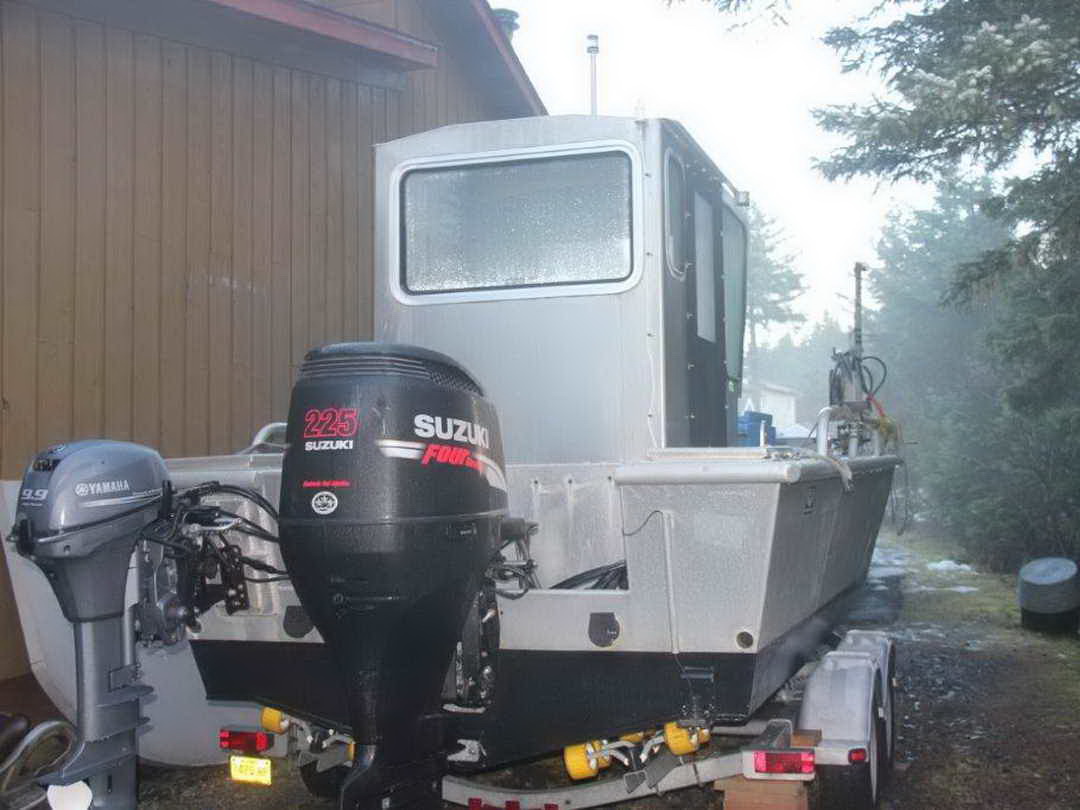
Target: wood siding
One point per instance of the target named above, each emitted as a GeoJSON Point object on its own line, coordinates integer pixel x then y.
{"type": "Point", "coordinates": [177, 227]}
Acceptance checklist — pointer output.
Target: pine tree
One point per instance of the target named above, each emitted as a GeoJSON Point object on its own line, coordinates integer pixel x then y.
{"type": "Point", "coordinates": [941, 373]}
{"type": "Point", "coordinates": [990, 86]}
{"type": "Point", "coordinates": [773, 283]}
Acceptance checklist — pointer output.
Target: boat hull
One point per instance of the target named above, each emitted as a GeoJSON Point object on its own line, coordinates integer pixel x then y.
{"type": "Point", "coordinates": [739, 563]}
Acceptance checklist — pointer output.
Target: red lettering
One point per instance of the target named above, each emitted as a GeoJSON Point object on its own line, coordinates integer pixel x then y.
{"type": "Point", "coordinates": [331, 423]}
{"type": "Point", "coordinates": [348, 422]}
{"type": "Point", "coordinates": [450, 454]}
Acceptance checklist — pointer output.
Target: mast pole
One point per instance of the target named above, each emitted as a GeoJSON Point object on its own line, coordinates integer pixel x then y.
{"type": "Point", "coordinates": [594, 52]}
{"type": "Point", "coordinates": [857, 333]}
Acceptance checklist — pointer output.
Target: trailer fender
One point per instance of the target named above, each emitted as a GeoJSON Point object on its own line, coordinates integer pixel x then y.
{"type": "Point", "coordinates": [838, 701]}
{"type": "Point", "coordinates": [883, 649]}
{"type": "Point", "coordinates": [880, 647]}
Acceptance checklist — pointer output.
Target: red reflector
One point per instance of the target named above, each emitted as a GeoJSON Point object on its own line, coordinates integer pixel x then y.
{"type": "Point", "coordinates": [476, 803]}
{"type": "Point", "coordinates": [856, 755]}
{"type": "Point", "coordinates": [783, 761]}
{"type": "Point", "coordinates": [250, 741]}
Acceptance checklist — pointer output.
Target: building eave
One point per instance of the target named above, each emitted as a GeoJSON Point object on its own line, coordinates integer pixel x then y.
{"type": "Point", "coordinates": [403, 51]}
{"type": "Point", "coordinates": [522, 83]}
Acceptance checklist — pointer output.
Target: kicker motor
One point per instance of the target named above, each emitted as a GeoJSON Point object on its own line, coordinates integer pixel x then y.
{"type": "Point", "coordinates": [81, 510]}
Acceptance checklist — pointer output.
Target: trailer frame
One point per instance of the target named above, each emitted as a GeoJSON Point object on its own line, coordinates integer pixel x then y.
{"type": "Point", "coordinates": [832, 697]}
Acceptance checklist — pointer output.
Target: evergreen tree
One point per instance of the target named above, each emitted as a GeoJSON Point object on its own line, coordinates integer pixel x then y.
{"type": "Point", "coordinates": [773, 284]}
{"type": "Point", "coordinates": [943, 387]}
{"type": "Point", "coordinates": [981, 84]}
{"type": "Point", "coordinates": [990, 86]}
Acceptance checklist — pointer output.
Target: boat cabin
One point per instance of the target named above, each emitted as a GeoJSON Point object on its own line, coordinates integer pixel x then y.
{"type": "Point", "coordinates": [589, 271]}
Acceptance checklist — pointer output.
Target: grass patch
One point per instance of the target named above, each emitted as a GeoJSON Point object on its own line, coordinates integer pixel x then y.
{"type": "Point", "coordinates": [927, 598]}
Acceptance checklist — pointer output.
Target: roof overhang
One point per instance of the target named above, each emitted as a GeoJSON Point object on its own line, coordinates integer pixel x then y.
{"type": "Point", "coordinates": [403, 51]}
{"type": "Point", "coordinates": [509, 57]}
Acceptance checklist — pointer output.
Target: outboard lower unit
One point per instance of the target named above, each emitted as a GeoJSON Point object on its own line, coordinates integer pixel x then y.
{"type": "Point", "coordinates": [81, 509]}
{"type": "Point", "coordinates": [392, 497]}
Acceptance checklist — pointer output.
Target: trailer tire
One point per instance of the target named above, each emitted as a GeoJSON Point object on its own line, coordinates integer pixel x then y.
{"type": "Point", "coordinates": [856, 786]}
{"type": "Point", "coordinates": [324, 784]}
{"type": "Point", "coordinates": [844, 787]}
{"type": "Point", "coordinates": [888, 748]}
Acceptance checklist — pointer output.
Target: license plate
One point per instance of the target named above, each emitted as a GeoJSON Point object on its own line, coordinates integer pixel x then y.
{"type": "Point", "coordinates": [255, 770]}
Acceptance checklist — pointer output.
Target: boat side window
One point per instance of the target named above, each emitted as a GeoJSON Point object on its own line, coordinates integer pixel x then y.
{"type": "Point", "coordinates": [705, 267]}
{"type": "Point", "coordinates": [675, 215]}
{"type": "Point", "coordinates": [535, 222]}
{"type": "Point", "coordinates": [735, 239]}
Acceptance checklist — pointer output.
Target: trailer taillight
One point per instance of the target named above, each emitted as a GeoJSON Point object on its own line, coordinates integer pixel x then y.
{"type": "Point", "coordinates": [784, 761]}
{"type": "Point", "coordinates": [856, 755]}
{"type": "Point", "coordinates": [252, 742]}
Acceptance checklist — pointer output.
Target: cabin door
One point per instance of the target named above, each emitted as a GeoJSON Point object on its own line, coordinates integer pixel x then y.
{"type": "Point", "coordinates": [706, 374]}
{"type": "Point", "coordinates": [694, 336]}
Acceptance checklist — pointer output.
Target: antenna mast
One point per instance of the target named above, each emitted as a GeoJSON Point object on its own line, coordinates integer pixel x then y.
{"type": "Point", "coordinates": [856, 335]}
{"type": "Point", "coordinates": [594, 52]}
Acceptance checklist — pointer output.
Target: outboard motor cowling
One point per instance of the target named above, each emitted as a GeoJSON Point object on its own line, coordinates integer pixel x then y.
{"type": "Point", "coordinates": [81, 509]}
{"type": "Point", "coordinates": [392, 495]}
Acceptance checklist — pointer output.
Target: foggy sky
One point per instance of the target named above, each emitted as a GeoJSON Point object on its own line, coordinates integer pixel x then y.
{"type": "Point", "coordinates": [744, 93]}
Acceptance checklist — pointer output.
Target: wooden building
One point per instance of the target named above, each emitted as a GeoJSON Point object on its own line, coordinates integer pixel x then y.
{"type": "Point", "coordinates": [185, 188]}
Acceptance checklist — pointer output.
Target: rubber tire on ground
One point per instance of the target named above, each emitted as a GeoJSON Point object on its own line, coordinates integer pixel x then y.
{"type": "Point", "coordinates": [325, 784]}
{"type": "Point", "coordinates": [854, 787]}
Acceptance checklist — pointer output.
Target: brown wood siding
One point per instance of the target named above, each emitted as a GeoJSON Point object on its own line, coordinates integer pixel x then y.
{"type": "Point", "coordinates": [177, 227]}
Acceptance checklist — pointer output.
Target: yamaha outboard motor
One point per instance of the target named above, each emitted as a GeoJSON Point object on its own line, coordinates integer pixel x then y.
{"type": "Point", "coordinates": [80, 510]}
{"type": "Point", "coordinates": [392, 494]}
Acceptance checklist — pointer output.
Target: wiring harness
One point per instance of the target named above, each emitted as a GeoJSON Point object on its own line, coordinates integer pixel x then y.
{"type": "Point", "coordinates": [202, 565]}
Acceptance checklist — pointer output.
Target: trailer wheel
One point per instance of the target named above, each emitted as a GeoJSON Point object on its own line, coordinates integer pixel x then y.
{"type": "Point", "coordinates": [888, 747]}
{"type": "Point", "coordinates": [324, 784]}
{"type": "Point", "coordinates": [856, 786]}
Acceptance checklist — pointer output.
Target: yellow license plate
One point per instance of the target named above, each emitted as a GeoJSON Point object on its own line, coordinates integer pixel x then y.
{"type": "Point", "coordinates": [250, 769]}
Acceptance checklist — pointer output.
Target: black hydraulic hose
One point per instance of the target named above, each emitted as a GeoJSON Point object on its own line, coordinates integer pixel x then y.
{"type": "Point", "coordinates": [249, 527]}
{"type": "Point", "coordinates": [251, 495]}
{"type": "Point", "coordinates": [615, 579]}
{"type": "Point", "coordinates": [884, 373]}
{"type": "Point", "coordinates": [577, 580]}
{"type": "Point", "coordinates": [213, 487]}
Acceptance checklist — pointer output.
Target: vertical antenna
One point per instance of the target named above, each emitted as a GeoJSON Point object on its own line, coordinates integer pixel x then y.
{"type": "Point", "coordinates": [594, 52]}
{"type": "Point", "coordinates": [856, 335]}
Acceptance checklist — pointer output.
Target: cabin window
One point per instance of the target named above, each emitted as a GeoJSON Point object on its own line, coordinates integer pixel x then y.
{"type": "Point", "coordinates": [675, 215]}
{"type": "Point", "coordinates": [705, 267]}
{"type": "Point", "coordinates": [524, 223]}
{"type": "Point", "coordinates": [734, 292]}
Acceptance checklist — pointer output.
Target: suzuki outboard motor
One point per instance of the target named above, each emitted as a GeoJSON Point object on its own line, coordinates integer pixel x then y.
{"type": "Point", "coordinates": [392, 495]}
{"type": "Point", "coordinates": [80, 510]}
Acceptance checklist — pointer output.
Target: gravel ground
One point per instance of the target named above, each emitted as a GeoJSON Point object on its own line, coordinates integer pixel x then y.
{"type": "Point", "coordinates": [988, 713]}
